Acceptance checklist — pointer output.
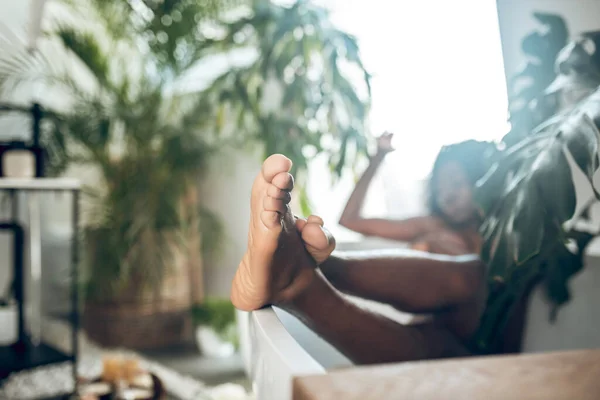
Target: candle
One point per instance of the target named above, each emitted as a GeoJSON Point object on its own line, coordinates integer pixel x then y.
{"type": "Point", "coordinates": [112, 368]}
{"type": "Point", "coordinates": [131, 369]}
{"type": "Point", "coordinates": [96, 391]}
{"type": "Point", "coordinates": [18, 163]}
{"type": "Point", "coordinates": [135, 394]}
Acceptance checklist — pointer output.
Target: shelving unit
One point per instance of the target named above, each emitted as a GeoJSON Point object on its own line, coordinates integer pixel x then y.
{"type": "Point", "coordinates": [24, 355]}
{"type": "Point", "coordinates": [30, 355]}
{"type": "Point", "coordinates": [14, 360]}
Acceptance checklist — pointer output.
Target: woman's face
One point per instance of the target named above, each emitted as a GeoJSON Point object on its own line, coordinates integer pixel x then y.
{"type": "Point", "coordinates": [454, 193]}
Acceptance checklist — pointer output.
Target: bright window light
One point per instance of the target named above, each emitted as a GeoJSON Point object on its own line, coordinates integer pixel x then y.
{"type": "Point", "coordinates": [438, 79]}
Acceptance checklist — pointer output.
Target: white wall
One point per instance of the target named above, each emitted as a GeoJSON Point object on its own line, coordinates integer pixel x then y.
{"type": "Point", "coordinates": [226, 192]}
{"type": "Point", "coordinates": [578, 324]}
{"type": "Point", "coordinates": [516, 21]}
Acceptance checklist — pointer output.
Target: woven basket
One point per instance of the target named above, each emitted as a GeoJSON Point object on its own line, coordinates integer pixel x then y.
{"type": "Point", "coordinates": [145, 321]}
{"type": "Point", "coordinates": [139, 326]}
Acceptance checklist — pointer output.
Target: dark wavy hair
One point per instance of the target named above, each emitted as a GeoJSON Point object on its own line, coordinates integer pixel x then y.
{"type": "Point", "coordinates": [472, 155]}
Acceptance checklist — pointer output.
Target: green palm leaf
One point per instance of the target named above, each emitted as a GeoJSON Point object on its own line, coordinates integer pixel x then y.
{"type": "Point", "coordinates": [291, 43]}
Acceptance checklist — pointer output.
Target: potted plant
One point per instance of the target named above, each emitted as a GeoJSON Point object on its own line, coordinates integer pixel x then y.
{"type": "Point", "coordinates": [215, 327]}
{"type": "Point", "coordinates": [528, 197]}
{"type": "Point", "coordinates": [124, 121]}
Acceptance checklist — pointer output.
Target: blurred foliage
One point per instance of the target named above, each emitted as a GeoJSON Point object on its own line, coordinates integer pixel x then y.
{"type": "Point", "coordinates": [218, 314]}
{"type": "Point", "coordinates": [311, 64]}
{"type": "Point", "coordinates": [214, 312]}
{"type": "Point", "coordinates": [171, 28]}
{"type": "Point", "coordinates": [528, 196]}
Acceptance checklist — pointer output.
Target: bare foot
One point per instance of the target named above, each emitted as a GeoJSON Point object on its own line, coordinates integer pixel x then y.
{"type": "Point", "coordinates": [318, 241]}
{"type": "Point", "coordinates": [276, 266]}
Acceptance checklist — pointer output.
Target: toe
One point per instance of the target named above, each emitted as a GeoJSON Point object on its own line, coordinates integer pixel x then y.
{"type": "Point", "coordinates": [315, 236]}
{"type": "Point", "coordinates": [300, 224]}
{"type": "Point", "coordinates": [283, 181]}
{"type": "Point", "coordinates": [273, 204]}
{"type": "Point", "coordinates": [274, 165]}
{"type": "Point", "coordinates": [315, 219]}
{"type": "Point", "coordinates": [271, 219]}
{"type": "Point", "coordinates": [276, 193]}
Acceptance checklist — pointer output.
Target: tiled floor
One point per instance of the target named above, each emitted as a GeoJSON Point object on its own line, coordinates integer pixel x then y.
{"type": "Point", "coordinates": [212, 371]}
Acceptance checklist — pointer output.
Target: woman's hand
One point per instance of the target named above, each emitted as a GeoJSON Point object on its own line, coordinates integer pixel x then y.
{"type": "Point", "coordinates": [384, 143]}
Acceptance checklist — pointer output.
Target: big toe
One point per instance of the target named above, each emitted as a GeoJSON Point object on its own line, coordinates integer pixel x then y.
{"type": "Point", "coordinates": [274, 165]}
{"type": "Point", "coordinates": [315, 236]}
{"type": "Point", "coordinates": [319, 242]}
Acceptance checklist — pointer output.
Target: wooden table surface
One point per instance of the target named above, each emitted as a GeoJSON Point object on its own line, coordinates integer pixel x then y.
{"type": "Point", "coordinates": [573, 375]}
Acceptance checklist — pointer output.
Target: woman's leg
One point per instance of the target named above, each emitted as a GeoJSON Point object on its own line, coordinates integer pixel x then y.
{"type": "Point", "coordinates": [366, 337]}
{"type": "Point", "coordinates": [450, 287]}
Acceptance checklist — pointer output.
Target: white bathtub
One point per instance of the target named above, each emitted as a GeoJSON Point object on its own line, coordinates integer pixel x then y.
{"type": "Point", "coordinates": [277, 347]}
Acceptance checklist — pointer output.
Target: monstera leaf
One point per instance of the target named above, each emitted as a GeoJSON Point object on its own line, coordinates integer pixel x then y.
{"type": "Point", "coordinates": [527, 86]}
{"type": "Point", "coordinates": [526, 197]}
{"type": "Point", "coordinates": [529, 193]}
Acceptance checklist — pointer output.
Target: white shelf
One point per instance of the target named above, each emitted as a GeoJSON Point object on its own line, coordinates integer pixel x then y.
{"type": "Point", "coordinates": [36, 184]}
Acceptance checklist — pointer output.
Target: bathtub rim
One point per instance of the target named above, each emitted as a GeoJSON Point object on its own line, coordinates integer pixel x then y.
{"type": "Point", "coordinates": [265, 324]}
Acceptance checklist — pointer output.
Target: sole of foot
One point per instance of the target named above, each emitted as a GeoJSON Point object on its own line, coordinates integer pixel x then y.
{"type": "Point", "coordinates": [277, 266]}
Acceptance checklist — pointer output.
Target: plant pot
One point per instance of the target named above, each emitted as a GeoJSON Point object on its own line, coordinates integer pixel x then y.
{"type": "Point", "coordinates": [142, 321]}
{"type": "Point", "coordinates": [148, 319]}
{"type": "Point", "coordinates": [211, 345]}
{"type": "Point", "coordinates": [138, 325]}
{"type": "Point", "coordinates": [8, 325]}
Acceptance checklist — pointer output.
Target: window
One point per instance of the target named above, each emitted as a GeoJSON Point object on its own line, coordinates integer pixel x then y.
{"type": "Point", "coordinates": [438, 79]}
